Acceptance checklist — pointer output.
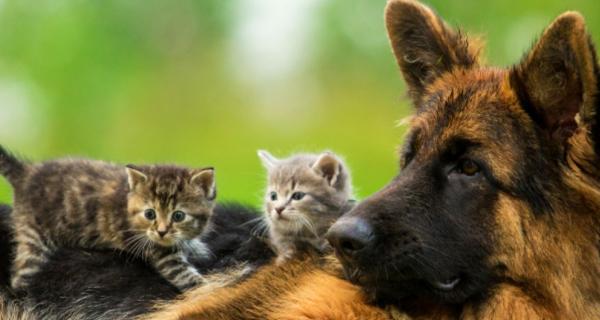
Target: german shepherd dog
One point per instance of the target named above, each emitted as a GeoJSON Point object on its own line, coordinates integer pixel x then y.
{"type": "Point", "coordinates": [496, 210]}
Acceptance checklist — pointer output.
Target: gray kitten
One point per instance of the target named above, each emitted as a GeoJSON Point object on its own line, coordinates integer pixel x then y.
{"type": "Point", "coordinates": [306, 193]}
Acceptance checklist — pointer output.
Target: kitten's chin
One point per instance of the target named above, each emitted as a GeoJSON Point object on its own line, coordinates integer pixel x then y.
{"type": "Point", "coordinates": [286, 227]}
{"type": "Point", "coordinates": [164, 242]}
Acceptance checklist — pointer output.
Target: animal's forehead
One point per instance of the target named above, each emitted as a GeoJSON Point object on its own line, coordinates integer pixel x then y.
{"type": "Point", "coordinates": [290, 177]}
{"type": "Point", "coordinates": [469, 104]}
{"type": "Point", "coordinates": [480, 108]}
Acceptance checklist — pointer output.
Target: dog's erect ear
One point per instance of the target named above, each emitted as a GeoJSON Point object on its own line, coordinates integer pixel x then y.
{"type": "Point", "coordinates": [557, 81]}
{"type": "Point", "coordinates": [424, 46]}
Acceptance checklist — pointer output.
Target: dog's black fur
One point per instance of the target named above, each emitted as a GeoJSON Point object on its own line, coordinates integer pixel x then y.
{"type": "Point", "coordinates": [96, 283]}
{"type": "Point", "coordinates": [234, 238]}
{"type": "Point", "coordinates": [107, 284]}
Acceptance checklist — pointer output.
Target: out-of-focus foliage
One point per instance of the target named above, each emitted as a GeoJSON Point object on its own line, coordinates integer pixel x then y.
{"type": "Point", "coordinates": [209, 82]}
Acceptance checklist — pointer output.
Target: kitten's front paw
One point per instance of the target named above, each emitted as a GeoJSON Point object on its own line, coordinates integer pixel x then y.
{"type": "Point", "coordinates": [190, 282]}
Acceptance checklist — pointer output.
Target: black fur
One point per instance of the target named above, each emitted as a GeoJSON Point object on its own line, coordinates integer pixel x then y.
{"type": "Point", "coordinates": [106, 284]}
{"type": "Point", "coordinates": [6, 248]}
{"type": "Point", "coordinates": [95, 283]}
{"type": "Point", "coordinates": [233, 239]}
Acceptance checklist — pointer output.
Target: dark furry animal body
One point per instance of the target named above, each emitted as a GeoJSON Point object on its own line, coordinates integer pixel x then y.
{"type": "Point", "coordinates": [94, 284]}
{"type": "Point", "coordinates": [233, 239]}
{"type": "Point", "coordinates": [97, 284]}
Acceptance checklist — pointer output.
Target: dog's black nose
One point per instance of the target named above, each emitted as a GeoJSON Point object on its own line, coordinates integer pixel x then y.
{"type": "Point", "coordinates": [350, 235]}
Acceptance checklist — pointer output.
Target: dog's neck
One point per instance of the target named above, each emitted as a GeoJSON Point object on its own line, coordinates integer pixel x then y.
{"type": "Point", "coordinates": [547, 269]}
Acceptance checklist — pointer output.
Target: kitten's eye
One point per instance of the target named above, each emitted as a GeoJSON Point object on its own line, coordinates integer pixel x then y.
{"type": "Point", "coordinates": [273, 196]}
{"type": "Point", "coordinates": [178, 216]}
{"type": "Point", "coordinates": [150, 214]}
{"type": "Point", "coordinates": [468, 167]}
{"type": "Point", "coordinates": [298, 195]}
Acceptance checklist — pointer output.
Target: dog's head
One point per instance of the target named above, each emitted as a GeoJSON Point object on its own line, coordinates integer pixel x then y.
{"type": "Point", "coordinates": [485, 166]}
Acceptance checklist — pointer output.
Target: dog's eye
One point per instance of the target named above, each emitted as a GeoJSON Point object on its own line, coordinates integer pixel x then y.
{"type": "Point", "coordinates": [273, 196]}
{"type": "Point", "coordinates": [468, 167]}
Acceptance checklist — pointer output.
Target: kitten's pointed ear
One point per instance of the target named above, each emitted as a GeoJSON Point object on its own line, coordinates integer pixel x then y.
{"type": "Point", "coordinates": [205, 179]}
{"type": "Point", "coordinates": [329, 167]}
{"type": "Point", "coordinates": [557, 81]}
{"type": "Point", "coordinates": [267, 159]}
{"type": "Point", "coordinates": [135, 176]}
{"type": "Point", "coordinates": [424, 46]}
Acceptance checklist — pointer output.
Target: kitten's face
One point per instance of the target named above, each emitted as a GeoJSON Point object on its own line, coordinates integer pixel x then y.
{"type": "Point", "coordinates": [170, 204]}
{"type": "Point", "coordinates": [305, 193]}
{"type": "Point", "coordinates": [291, 205]}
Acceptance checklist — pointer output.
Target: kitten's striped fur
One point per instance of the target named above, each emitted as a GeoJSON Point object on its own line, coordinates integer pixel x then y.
{"type": "Point", "coordinates": [93, 204]}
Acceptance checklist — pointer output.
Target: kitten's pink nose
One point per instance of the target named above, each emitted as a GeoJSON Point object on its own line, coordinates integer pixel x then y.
{"type": "Point", "coordinates": [279, 210]}
{"type": "Point", "coordinates": [161, 233]}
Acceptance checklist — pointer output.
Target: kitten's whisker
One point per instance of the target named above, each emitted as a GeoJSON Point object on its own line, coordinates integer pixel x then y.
{"type": "Point", "coordinates": [257, 219]}
{"type": "Point", "coordinates": [146, 248]}
{"type": "Point", "coordinates": [309, 224]}
{"type": "Point", "coordinates": [130, 242]}
{"type": "Point", "coordinates": [260, 228]}
{"type": "Point", "coordinates": [306, 223]}
{"type": "Point", "coordinates": [131, 230]}
{"type": "Point", "coordinates": [136, 245]}
{"type": "Point", "coordinates": [297, 224]}
{"type": "Point", "coordinates": [137, 250]}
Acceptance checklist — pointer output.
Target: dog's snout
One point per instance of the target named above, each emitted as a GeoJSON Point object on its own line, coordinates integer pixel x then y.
{"type": "Point", "coordinates": [350, 235]}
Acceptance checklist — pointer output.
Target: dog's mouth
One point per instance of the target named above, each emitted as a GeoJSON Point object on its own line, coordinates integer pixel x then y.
{"type": "Point", "coordinates": [382, 287]}
{"type": "Point", "coordinates": [446, 285]}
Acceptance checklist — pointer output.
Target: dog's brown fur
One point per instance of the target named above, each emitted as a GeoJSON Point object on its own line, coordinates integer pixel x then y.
{"type": "Point", "coordinates": [304, 288]}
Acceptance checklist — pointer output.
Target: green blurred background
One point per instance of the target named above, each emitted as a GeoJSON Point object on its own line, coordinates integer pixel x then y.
{"type": "Point", "coordinates": [209, 82]}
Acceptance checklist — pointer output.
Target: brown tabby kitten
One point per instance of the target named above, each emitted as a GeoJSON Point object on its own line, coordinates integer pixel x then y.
{"type": "Point", "coordinates": [155, 212]}
{"type": "Point", "coordinates": [306, 193]}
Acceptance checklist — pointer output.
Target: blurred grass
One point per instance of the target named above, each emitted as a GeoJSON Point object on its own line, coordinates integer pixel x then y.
{"type": "Point", "coordinates": [155, 81]}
